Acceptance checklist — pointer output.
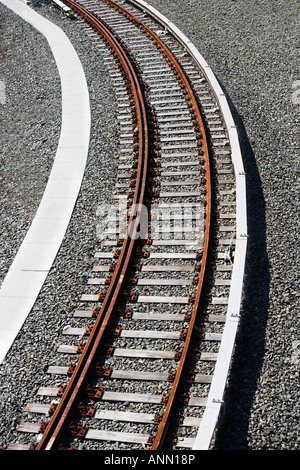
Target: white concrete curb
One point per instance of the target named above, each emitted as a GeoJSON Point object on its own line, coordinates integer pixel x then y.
{"type": "Point", "coordinates": [40, 246]}
{"type": "Point", "coordinates": [215, 397]}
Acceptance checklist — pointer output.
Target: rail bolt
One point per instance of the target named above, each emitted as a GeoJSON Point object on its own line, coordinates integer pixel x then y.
{"type": "Point", "coordinates": [103, 371]}
{"type": "Point", "coordinates": [86, 410]}
{"type": "Point", "coordinates": [151, 438]}
{"type": "Point", "coordinates": [101, 296]}
{"type": "Point", "coordinates": [164, 398]}
{"type": "Point", "coordinates": [52, 409]}
{"type": "Point", "coordinates": [95, 312]}
{"type": "Point", "coordinates": [80, 349]}
{"type": "Point", "coordinates": [94, 392]}
{"type": "Point", "coordinates": [158, 417]}
{"type": "Point", "coordinates": [71, 369]}
{"type": "Point", "coordinates": [61, 390]}
{"type": "Point", "coordinates": [77, 431]}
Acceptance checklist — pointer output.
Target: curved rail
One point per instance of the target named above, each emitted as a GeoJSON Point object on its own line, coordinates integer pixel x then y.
{"type": "Point", "coordinates": [56, 425]}
{"type": "Point", "coordinates": [215, 398]}
{"type": "Point", "coordinates": [163, 426]}
{"type": "Point", "coordinates": [79, 377]}
{"type": "Point", "coordinates": [78, 386]}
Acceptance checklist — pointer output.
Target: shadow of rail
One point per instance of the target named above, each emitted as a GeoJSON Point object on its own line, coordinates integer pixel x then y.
{"type": "Point", "coordinates": [232, 433]}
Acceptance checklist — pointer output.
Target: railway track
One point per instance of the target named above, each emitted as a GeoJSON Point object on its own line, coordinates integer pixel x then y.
{"type": "Point", "coordinates": [136, 369]}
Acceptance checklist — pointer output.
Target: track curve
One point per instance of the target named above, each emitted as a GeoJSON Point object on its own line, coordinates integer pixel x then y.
{"type": "Point", "coordinates": [152, 147]}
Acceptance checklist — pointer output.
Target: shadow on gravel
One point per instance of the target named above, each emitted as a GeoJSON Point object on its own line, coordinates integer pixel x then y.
{"type": "Point", "coordinates": [250, 346]}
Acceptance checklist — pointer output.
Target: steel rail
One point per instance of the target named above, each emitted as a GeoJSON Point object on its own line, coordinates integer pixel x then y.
{"type": "Point", "coordinates": [164, 424]}
{"type": "Point", "coordinates": [79, 376]}
{"type": "Point", "coordinates": [215, 398]}
{"type": "Point", "coordinates": [56, 426]}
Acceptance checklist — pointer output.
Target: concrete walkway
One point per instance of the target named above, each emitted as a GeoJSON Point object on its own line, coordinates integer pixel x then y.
{"type": "Point", "coordinates": [36, 255]}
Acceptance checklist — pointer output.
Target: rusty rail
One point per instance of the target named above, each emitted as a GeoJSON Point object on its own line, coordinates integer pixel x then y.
{"type": "Point", "coordinates": [163, 426]}
{"type": "Point", "coordinates": [79, 377]}
{"type": "Point", "coordinates": [80, 374]}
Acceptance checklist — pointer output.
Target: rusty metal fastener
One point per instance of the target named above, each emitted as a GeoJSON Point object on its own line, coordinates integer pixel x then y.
{"type": "Point", "coordinates": [133, 298]}
{"type": "Point", "coordinates": [61, 390]}
{"type": "Point", "coordinates": [80, 349]}
{"type": "Point", "coordinates": [64, 447]}
{"type": "Point", "coordinates": [185, 398]}
{"type": "Point", "coordinates": [77, 431]}
{"type": "Point", "coordinates": [43, 427]}
{"type": "Point", "coordinates": [171, 376]}
{"type": "Point", "coordinates": [95, 312]}
{"type": "Point", "coordinates": [130, 297]}
{"type": "Point", "coordinates": [143, 254]}
{"type": "Point", "coordinates": [86, 410]}
{"type": "Point", "coordinates": [94, 392]}
{"type": "Point", "coordinates": [158, 417]}
{"type": "Point", "coordinates": [153, 193]}
{"type": "Point", "coordinates": [101, 296]}
{"type": "Point", "coordinates": [177, 354]}
{"type": "Point", "coordinates": [52, 408]}
{"type": "Point", "coordinates": [116, 331]}
{"type": "Point", "coordinates": [71, 369]}
{"type": "Point", "coordinates": [151, 438]}
{"type": "Point", "coordinates": [164, 398]}
{"type": "Point", "coordinates": [183, 334]}
{"type": "Point", "coordinates": [196, 353]}
{"type": "Point", "coordinates": [191, 376]}
{"type": "Point", "coordinates": [103, 371]}
{"type": "Point", "coordinates": [179, 418]}
{"type": "Point", "coordinates": [88, 330]}
{"type": "Point", "coordinates": [125, 313]}
{"type": "Point", "coordinates": [108, 350]}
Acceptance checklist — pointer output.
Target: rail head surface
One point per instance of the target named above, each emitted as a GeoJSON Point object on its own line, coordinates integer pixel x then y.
{"type": "Point", "coordinates": [215, 397]}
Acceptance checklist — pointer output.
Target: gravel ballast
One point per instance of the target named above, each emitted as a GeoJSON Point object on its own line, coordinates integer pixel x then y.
{"type": "Point", "coordinates": [254, 54]}
{"type": "Point", "coordinates": [29, 134]}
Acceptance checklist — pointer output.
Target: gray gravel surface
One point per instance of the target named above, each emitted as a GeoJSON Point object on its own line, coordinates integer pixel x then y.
{"type": "Point", "coordinates": [254, 54]}
{"type": "Point", "coordinates": [30, 126]}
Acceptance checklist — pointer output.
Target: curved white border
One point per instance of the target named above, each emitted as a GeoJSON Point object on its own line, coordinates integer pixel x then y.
{"type": "Point", "coordinates": [215, 397]}
{"type": "Point", "coordinates": [40, 246]}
